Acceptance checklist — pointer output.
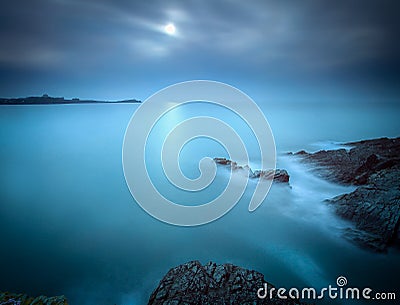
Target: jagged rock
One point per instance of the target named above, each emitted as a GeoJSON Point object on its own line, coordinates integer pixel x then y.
{"type": "Point", "coordinates": [222, 161]}
{"type": "Point", "coordinates": [212, 284]}
{"type": "Point", "coordinates": [374, 207]}
{"type": "Point", "coordinates": [278, 175]}
{"type": "Point", "coordinates": [363, 158]}
{"type": "Point", "coordinates": [7, 298]}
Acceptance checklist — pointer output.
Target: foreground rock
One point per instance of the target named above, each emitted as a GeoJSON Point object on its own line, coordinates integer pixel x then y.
{"type": "Point", "coordinates": [211, 284]}
{"type": "Point", "coordinates": [278, 175]}
{"type": "Point", "coordinates": [7, 298]}
{"type": "Point", "coordinates": [374, 207]}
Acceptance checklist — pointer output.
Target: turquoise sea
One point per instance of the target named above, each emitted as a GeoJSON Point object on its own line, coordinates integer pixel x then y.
{"type": "Point", "coordinates": [69, 225]}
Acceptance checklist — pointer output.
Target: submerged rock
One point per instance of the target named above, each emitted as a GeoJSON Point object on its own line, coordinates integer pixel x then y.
{"type": "Point", "coordinates": [374, 207]}
{"type": "Point", "coordinates": [7, 298]}
{"type": "Point", "coordinates": [278, 175]}
{"type": "Point", "coordinates": [212, 284]}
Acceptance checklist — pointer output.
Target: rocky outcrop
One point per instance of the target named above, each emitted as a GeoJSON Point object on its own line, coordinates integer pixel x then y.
{"type": "Point", "coordinates": [375, 210]}
{"type": "Point", "coordinates": [7, 298]}
{"type": "Point", "coordinates": [278, 175]}
{"type": "Point", "coordinates": [374, 207]}
{"type": "Point", "coordinates": [356, 164]}
{"type": "Point", "coordinates": [212, 284]}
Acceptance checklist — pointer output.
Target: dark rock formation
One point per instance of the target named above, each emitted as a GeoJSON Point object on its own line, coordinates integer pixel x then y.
{"type": "Point", "coordinates": [278, 175]}
{"type": "Point", "coordinates": [212, 284]}
{"type": "Point", "coordinates": [45, 99]}
{"type": "Point", "coordinates": [355, 165]}
{"type": "Point", "coordinates": [374, 207]}
{"type": "Point", "coordinates": [7, 298]}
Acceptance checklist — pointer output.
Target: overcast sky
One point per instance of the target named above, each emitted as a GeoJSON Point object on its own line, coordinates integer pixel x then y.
{"type": "Point", "coordinates": [279, 50]}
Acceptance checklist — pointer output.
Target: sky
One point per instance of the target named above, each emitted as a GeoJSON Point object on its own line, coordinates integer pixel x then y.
{"type": "Point", "coordinates": [272, 50]}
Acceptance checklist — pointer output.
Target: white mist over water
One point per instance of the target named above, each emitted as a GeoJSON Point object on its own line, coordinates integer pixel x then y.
{"type": "Point", "coordinates": [70, 225]}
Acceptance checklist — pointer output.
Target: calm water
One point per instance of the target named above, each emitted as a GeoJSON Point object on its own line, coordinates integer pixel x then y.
{"type": "Point", "coordinates": [69, 225]}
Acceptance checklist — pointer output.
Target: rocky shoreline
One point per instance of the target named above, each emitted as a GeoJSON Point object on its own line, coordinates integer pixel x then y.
{"type": "Point", "coordinates": [374, 207]}
{"type": "Point", "coordinates": [211, 284]}
{"type": "Point", "coordinates": [7, 298]}
{"type": "Point", "coordinates": [277, 175]}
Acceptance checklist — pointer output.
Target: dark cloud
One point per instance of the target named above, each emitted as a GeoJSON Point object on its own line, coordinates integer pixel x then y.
{"type": "Point", "coordinates": [68, 41]}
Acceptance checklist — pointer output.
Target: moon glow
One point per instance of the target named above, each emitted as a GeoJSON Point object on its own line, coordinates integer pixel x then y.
{"type": "Point", "coordinates": [170, 29]}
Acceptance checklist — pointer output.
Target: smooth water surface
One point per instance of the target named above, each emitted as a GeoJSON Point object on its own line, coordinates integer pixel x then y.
{"type": "Point", "coordinates": [69, 225]}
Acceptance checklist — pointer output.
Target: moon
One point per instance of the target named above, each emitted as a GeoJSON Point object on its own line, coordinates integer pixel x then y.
{"type": "Point", "coordinates": [170, 29]}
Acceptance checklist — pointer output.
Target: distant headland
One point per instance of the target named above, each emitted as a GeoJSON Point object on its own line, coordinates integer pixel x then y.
{"type": "Point", "coordinates": [45, 99]}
